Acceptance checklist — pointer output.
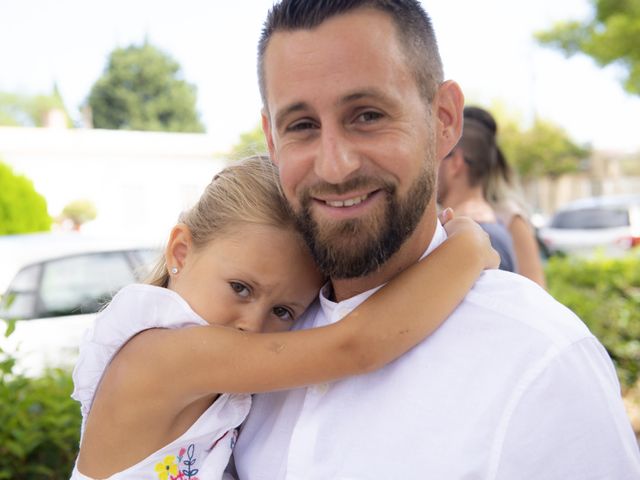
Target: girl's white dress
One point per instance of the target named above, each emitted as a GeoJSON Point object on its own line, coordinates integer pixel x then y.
{"type": "Point", "coordinates": [203, 451]}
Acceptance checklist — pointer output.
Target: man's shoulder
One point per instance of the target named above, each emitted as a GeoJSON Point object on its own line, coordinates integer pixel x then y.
{"type": "Point", "coordinates": [523, 306]}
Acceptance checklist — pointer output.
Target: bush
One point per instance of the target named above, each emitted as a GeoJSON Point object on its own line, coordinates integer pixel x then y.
{"type": "Point", "coordinates": [39, 426]}
{"type": "Point", "coordinates": [605, 294]}
{"type": "Point", "coordinates": [22, 209]}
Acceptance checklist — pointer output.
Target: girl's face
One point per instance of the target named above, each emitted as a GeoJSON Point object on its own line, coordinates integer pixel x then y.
{"type": "Point", "coordinates": [255, 278]}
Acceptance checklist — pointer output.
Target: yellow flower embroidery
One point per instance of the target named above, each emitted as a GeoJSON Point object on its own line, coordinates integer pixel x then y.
{"type": "Point", "coordinates": [167, 467]}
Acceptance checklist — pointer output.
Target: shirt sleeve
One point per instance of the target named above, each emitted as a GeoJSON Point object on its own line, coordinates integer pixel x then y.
{"type": "Point", "coordinates": [567, 421]}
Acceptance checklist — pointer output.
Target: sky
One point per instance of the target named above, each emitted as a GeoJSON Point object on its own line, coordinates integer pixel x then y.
{"type": "Point", "coordinates": [487, 47]}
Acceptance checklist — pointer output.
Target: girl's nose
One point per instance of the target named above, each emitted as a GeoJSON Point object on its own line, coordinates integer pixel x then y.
{"type": "Point", "coordinates": [251, 321]}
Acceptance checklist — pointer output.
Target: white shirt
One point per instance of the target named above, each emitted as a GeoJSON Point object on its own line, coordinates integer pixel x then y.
{"type": "Point", "coordinates": [512, 387]}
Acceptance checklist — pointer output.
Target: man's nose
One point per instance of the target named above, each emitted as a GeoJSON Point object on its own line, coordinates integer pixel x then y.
{"type": "Point", "coordinates": [336, 158]}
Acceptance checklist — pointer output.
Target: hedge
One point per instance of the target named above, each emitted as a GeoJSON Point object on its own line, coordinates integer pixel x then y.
{"type": "Point", "coordinates": [39, 425]}
{"type": "Point", "coordinates": [605, 294]}
{"type": "Point", "coordinates": [22, 208]}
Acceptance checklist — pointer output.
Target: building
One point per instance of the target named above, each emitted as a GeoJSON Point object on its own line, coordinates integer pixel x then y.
{"type": "Point", "coordinates": [138, 181]}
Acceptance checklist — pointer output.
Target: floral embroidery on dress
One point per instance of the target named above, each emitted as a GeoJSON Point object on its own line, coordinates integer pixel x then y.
{"type": "Point", "coordinates": [169, 468]}
{"type": "Point", "coordinates": [188, 472]}
{"type": "Point", "coordinates": [232, 441]}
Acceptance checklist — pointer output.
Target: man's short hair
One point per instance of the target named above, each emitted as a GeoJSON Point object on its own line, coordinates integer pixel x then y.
{"type": "Point", "coordinates": [413, 27]}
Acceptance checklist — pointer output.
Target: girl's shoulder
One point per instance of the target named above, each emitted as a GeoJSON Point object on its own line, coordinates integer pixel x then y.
{"type": "Point", "coordinates": [133, 309]}
{"type": "Point", "coordinates": [147, 306]}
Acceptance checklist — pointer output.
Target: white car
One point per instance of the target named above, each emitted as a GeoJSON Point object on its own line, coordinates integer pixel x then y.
{"type": "Point", "coordinates": [607, 224]}
{"type": "Point", "coordinates": [53, 284]}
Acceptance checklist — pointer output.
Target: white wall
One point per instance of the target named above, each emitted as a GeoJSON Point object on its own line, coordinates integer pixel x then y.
{"type": "Point", "coordinates": [138, 181]}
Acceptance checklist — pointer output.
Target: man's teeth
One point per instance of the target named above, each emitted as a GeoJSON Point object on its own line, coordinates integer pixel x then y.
{"type": "Point", "coordinates": [347, 203]}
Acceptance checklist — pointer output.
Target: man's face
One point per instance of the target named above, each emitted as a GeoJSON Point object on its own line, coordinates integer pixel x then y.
{"type": "Point", "coordinates": [352, 136]}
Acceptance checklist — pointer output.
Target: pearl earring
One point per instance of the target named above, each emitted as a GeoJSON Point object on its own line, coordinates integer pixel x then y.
{"type": "Point", "coordinates": [174, 270]}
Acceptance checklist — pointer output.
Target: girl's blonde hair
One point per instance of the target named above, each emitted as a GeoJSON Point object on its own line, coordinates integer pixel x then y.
{"type": "Point", "coordinates": [246, 192]}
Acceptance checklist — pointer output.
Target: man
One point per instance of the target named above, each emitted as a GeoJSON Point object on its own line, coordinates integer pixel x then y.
{"type": "Point", "coordinates": [462, 182]}
{"type": "Point", "coordinates": [513, 386]}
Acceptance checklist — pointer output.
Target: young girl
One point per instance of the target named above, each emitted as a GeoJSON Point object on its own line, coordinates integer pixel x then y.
{"type": "Point", "coordinates": [234, 278]}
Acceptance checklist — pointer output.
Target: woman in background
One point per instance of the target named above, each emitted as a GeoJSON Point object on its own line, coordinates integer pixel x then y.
{"type": "Point", "coordinates": [504, 195]}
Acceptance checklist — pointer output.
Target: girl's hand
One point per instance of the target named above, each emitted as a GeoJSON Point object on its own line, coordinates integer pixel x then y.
{"type": "Point", "coordinates": [477, 239]}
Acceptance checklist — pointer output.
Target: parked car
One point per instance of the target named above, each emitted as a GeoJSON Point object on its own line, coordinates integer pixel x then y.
{"type": "Point", "coordinates": [53, 286]}
{"type": "Point", "coordinates": [609, 224]}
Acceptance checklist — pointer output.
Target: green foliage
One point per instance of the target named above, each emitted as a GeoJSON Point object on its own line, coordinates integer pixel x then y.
{"type": "Point", "coordinates": [250, 143]}
{"type": "Point", "coordinates": [544, 149]}
{"type": "Point", "coordinates": [605, 294]}
{"type": "Point", "coordinates": [29, 110]}
{"type": "Point", "coordinates": [609, 37]}
{"type": "Point", "coordinates": [39, 427]}
{"type": "Point", "coordinates": [22, 209]}
{"type": "Point", "coordinates": [39, 422]}
{"type": "Point", "coordinates": [80, 212]}
{"type": "Point", "coordinates": [141, 89]}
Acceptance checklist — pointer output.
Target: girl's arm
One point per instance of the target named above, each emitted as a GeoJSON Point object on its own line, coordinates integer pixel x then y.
{"type": "Point", "coordinates": [199, 361]}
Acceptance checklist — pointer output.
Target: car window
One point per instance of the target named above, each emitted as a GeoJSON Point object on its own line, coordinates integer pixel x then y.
{"type": "Point", "coordinates": [145, 259]}
{"type": "Point", "coordinates": [82, 284]}
{"type": "Point", "coordinates": [20, 299]}
{"type": "Point", "coordinates": [591, 218]}
{"type": "Point", "coordinates": [26, 280]}
{"type": "Point", "coordinates": [18, 305]}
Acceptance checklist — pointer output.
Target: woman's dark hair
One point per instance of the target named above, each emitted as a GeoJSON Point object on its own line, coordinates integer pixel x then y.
{"type": "Point", "coordinates": [481, 151]}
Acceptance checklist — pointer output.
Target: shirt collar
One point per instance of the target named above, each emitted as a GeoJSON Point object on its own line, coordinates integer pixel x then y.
{"type": "Point", "coordinates": [334, 311]}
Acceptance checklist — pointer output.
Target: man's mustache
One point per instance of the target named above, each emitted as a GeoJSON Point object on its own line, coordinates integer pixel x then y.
{"type": "Point", "coordinates": [356, 183]}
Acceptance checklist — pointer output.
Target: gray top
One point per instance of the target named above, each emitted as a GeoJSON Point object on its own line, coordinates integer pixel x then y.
{"type": "Point", "coordinates": [501, 241]}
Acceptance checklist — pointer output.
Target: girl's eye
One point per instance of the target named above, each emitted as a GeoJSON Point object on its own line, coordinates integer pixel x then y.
{"type": "Point", "coordinates": [240, 289]}
{"type": "Point", "coordinates": [283, 313]}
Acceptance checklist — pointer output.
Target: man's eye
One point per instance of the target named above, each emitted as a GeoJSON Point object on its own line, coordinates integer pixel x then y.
{"type": "Point", "coordinates": [370, 116]}
{"type": "Point", "coordinates": [283, 313]}
{"type": "Point", "coordinates": [301, 125]}
{"type": "Point", "coordinates": [240, 289]}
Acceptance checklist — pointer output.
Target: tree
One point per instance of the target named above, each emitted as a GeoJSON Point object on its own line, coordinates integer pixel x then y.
{"type": "Point", "coordinates": [249, 143]}
{"type": "Point", "coordinates": [542, 150]}
{"type": "Point", "coordinates": [609, 37]}
{"type": "Point", "coordinates": [79, 212]}
{"type": "Point", "coordinates": [22, 209]}
{"type": "Point", "coordinates": [141, 89]}
{"type": "Point", "coordinates": [30, 110]}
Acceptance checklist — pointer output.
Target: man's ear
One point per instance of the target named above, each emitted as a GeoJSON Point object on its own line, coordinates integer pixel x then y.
{"type": "Point", "coordinates": [448, 105]}
{"type": "Point", "coordinates": [266, 128]}
{"type": "Point", "coordinates": [178, 246]}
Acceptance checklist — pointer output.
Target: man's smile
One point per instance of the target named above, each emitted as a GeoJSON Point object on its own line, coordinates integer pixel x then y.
{"type": "Point", "coordinates": [349, 202]}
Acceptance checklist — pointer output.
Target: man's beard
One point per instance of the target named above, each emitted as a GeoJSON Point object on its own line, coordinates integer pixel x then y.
{"type": "Point", "coordinates": [357, 247]}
